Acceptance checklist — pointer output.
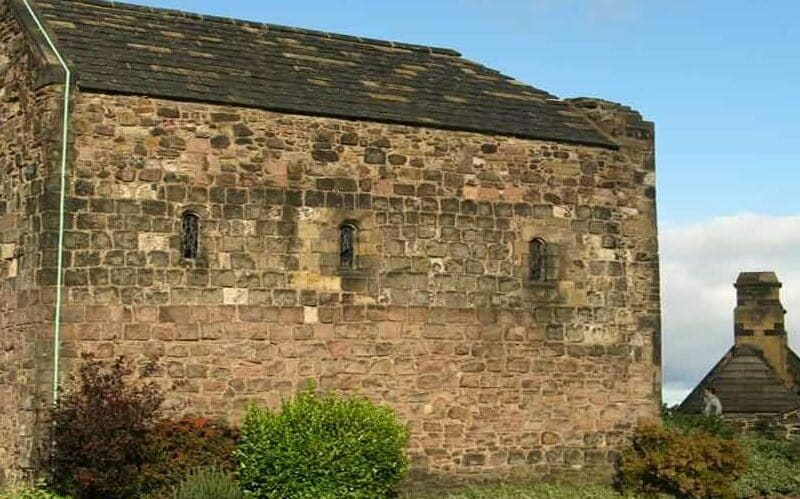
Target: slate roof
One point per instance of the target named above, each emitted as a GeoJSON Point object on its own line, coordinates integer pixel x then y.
{"type": "Point", "coordinates": [746, 384]}
{"type": "Point", "coordinates": [128, 49]}
{"type": "Point", "coordinates": [793, 364]}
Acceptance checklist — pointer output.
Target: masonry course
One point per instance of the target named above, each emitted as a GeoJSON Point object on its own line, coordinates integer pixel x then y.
{"type": "Point", "coordinates": [498, 376]}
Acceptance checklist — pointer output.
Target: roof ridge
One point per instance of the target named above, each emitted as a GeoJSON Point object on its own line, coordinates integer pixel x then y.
{"type": "Point", "coordinates": [723, 362]}
{"type": "Point", "coordinates": [193, 57]}
{"type": "Point", "coordinates": [280, 28]}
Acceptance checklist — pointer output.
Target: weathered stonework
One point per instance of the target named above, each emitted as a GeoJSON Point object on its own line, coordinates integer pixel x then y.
{"type": "Point", "coordinates": [28, 154]}
{"type": "Point", "coordinates": [758, 320]}
{"type": "Point", "coordinates": [786, 426]}
{"type": "Point", "coordinates": [493, 373]}
{"type": "Point", "coordinates": [497, 375]}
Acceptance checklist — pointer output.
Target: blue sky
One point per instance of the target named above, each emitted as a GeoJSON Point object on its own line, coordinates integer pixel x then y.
{"type": "Point", "coordinates": [721, 80]}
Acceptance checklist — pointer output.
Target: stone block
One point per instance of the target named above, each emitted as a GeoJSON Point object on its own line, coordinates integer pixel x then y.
{"type": "Point", "coordinates": [235, 296]}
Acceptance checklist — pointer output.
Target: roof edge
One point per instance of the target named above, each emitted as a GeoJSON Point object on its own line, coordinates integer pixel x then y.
{"type": "Point", "coordinates": [593, 102]}
{"type": "Point", "coordinates": [793, 363]}
{"type": "Point", "coordinates": [610, 145]}
{"type": "Point", "coordinates": [51, 70]}
{"type": "Point", "coordinates": [280, 28]}
{"type": "Point", "coordinates": [596, 110]}
{"type": "Point", "coordinates": [704, 381]}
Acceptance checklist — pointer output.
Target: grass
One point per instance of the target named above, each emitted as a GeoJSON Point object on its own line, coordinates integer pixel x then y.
{"type": "Point", "coordinates": [534, 491]}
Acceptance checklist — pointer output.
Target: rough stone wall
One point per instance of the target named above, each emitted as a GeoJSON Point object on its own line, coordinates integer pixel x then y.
{"type": "Point", "coordinates": [495, 374]}
{"type": "Point", "coordinates": [790, 422]}
{"type": "Point", "coordinates": [28, 137]}
{"type": "Point", "coordinates": [783, 425]}
{"type": "Point", "coordinates": [636, 138]}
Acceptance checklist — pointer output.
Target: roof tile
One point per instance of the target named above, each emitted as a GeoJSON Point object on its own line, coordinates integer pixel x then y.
{"type": "Point", "coordinates": [745, 384]}
{"type": "Point", "coordinates": [138, 50]}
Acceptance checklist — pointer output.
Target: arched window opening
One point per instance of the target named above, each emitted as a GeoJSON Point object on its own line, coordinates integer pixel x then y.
{"type": "Point", "coordinates": [538, 260]}
{"type": "Point", "coordinates": [190, 238]}
{"type": "Point", "coordinates": [347, 246]}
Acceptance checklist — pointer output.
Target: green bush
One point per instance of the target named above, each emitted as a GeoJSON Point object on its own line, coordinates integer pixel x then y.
{"type": "Point", "coordinates": [774, 468]}
{"type": "Point", "coordinates": [681, 463]}
{"type": "Point", "coordinates": [688, 423]}
{"type": "Point", "coordinates": [40, 492]}
{"type": "Point", "coordinates": [322, 446]}
{"type": "Point", "coordinates": [767, 427]}
{"type": "Point", "coordinates": [31, 494]}
{"type": "Point", "coordinates": [175, 448]}
{"type": "Point", "coordinates": [208, 483]}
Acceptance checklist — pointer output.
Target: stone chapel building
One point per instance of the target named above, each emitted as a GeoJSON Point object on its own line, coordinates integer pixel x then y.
{"type": "Point", "coordinates": [759, 377]}
{"type": "Point", "coordinates": [247, 207]}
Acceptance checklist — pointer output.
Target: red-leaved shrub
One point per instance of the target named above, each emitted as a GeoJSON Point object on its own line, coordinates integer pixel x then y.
{"type": "Point", "coordinates": [100, 429]}
{"type": "Point", "coordinates": [175, 448]}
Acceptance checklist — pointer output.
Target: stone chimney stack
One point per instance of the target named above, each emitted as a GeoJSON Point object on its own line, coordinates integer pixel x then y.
{"type": "Point", "coordinates": [758, 318]}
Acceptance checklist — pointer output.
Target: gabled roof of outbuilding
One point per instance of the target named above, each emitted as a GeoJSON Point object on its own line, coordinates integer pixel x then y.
{"type": "Point", "coordinates": [793, 363]}
{"type": "Point", "coordinates": [745, 384]}
{"type": "Point", "coordinates": [138, 50]}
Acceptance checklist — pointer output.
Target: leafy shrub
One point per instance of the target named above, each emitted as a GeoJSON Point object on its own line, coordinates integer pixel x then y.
{"type": "Point", "coordinates": [768, 428]}
{"type": "Point", "coordinates": [322, 447]}
{"type": "Point", "coordinates": [174, 448]}
{"type": "Point", "coordinates": [688, 423]}
{"type": "Point", "coordinates": [681, 463]}
{"type": "Point", "coordinates": [99, 432]}
{"type": "Point", "coordinates": [32, 494]}
{"type": "Point", "coordinates": [208, 483]}
{"type": "Point", "coordinates": [38, 493]}
{"type": "Point", "coordinates": [774, 468]}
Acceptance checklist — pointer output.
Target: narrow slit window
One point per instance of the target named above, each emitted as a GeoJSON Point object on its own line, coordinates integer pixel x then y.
{"type": "Point", "coordinates": [190, 239]}
{"type": "Point", "coordinates": [347, 246]}
{"type": "Point", "coordinates": [538, 260]}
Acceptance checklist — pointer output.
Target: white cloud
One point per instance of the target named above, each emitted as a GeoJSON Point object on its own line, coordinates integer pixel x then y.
{"type": "Point", "coordinates": [699, 264]}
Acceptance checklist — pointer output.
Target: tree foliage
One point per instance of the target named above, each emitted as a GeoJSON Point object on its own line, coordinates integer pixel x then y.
{"type": "Point", "coordinates": [682, 463]}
